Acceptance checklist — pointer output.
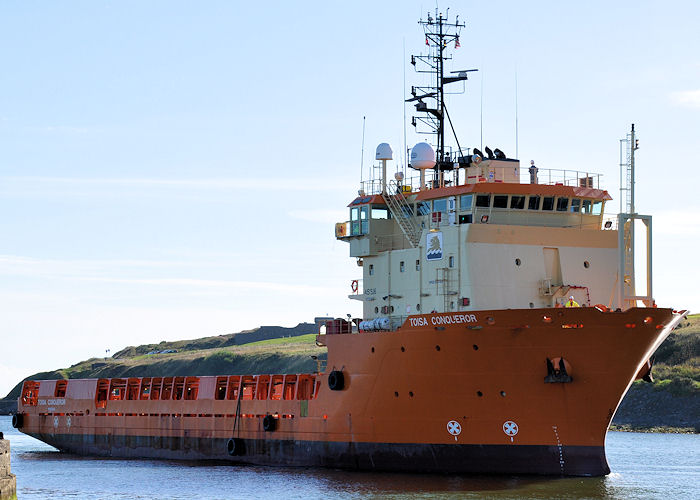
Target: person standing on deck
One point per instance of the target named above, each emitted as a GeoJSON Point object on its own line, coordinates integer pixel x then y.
{"type": "Point", "coordinates": [571, 302]}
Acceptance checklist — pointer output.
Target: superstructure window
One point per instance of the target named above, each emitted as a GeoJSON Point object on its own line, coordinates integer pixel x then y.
{"type": "Point", "coordinates": [402, 266]}
{"type": "Point", "coordinates": [423, 208]}
{"type": "Point", "coordinates": [439, 205]}
{"type": "Point", "coordinates": [597, 207]}
{"type": "Point", "coordinates": [587, 207]}
{"type": "Point", "coordinates": [380, 213]}
{"type": "Point", "coordinates": [417, 265]}
{"type": "Point", "coordinates": [533, 203]}
{"type": "Point", "coordinates": [483, 200]}
{"type": "Point", "coordinates": [452, 261]}
{"type": "Point", "coordinates": [465, 202]}
{"type": "Point", "coordinates": [562, 204]}
{"type": "Point", "coordinates": [548, 203]}
{"type": "Point", "coordinates": [575, 205]}
{"type": "Point", "coordinates": [517, 202]}
{"type": "Point", "coordinates": [371, 269]}
{"type": "Point", "coordinates": [500, 201]}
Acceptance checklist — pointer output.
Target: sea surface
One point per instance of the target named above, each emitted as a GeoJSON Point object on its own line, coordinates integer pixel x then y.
{"type": "Point", "coordinates": [644, 466]}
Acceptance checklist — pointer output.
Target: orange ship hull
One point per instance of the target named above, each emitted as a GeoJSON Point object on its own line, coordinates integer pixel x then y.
{"type": "Point", "coordinates": [458, 393]}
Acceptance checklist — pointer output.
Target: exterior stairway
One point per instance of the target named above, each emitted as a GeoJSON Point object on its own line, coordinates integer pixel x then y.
{"type": "Point", "coordinates": [401, 210]}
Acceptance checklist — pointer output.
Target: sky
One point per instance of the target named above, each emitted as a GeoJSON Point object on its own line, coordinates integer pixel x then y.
{"type": "Point", "coordinates": [173, 169]}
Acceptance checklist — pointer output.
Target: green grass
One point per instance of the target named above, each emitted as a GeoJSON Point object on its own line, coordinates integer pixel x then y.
{"type": "Point", "coordinates": [301, 339]}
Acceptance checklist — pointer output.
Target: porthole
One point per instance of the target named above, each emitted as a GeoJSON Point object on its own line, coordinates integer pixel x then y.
{"type": "Point", "coordinates": [410, 394]}
{"type": "Point", "coordinates": [532, 305]}
{"type": "Point", "coordinates": [376, 310]}
{"type": "Point", "coordinates": [490, 320]}
{"type": "Point", "coordinates": [437, 347]}
{"type": "Point", "coordinates": [475, 347]}
{"type": "Point", "coordinates": [503, 394]}
{"type": "Point", "coordinates": [403, 349]}
{"type": "Point", "coordinates": [396, 394]}
{"type": "Point", "coordinates": [391, 308]}
{"type": "Point", "coordinates": [373, 349]}
{"type": "Point", "coordinates": [417, 307]}
{"type": "Point", "coordinates": [586, 264]}
{"type": "Point", "coordinates": [517, 262]}
{"type": "Point", "coordinates": [479, 393]}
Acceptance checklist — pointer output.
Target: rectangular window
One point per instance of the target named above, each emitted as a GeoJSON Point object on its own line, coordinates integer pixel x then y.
{"type": "Point", "coordinates": [439, 205]}
{"type": "Point", "coordinates": [483, 200]}
{"type": "Point", "coordinates": [465, 218]}
{"type": "Point", "coordinates": [562, 204]}
{"type": "Point", "coordinates": [548, 203]}
{"type": "Point", "coordinates": [500, 201]}
{"type": "Point", "coordinates": [465, 202]}
{"type": "Point", "coordinates": [354, 221]}
{"type": "Point", "coordinates": [380, 213]}
{"type": "Point", "coordinates": [402, 267]}
{"type": "Point", "coordinates": [452, 261]}
{"type": "Point", "coordinates": [575, 205]}
{"type": "Point", "coordinates": [418, 265]}
{"type": "Point", "coordinates": [364, 222]}
{"type": "Point", "coordinates": [533, 203]}
{"type": "Point", "coordinates": [597, 207]}
{"type": "Point", "coordinates": [517, 202]}
{"type": "Point", "coordinates": [423, 208]}
{"type": "Point", "coordinates": [407, 210]}
{"type": "Point", "coordinates": [587, 205]}
{"type": "Point", "coordinates": [371, 269]}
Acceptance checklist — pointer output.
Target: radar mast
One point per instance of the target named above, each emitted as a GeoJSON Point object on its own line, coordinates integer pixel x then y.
{"type": "Point", "coordinates": [430, 99]}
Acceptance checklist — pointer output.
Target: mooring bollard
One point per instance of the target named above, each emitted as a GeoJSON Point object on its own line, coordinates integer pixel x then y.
{"type": "Point", "coordinates": [8, 481]}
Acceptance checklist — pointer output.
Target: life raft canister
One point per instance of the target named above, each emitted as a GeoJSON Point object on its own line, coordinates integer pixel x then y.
{"type": "Point", "coordinates": [354, 285]}
{"type": "Point", "coordinates": [340, 229]}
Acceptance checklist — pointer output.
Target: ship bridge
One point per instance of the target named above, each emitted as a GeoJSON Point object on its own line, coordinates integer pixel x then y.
{"type": "Point", "coordinates": [484, 235]}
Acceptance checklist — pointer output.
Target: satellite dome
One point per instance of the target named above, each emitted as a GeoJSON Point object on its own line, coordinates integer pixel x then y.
{"type": "Point", "coordinates": [384, 152]}
{"type": "Point", "coordinates": [398, 176]}
{"type": "Point", "coordinates": [422, 156]}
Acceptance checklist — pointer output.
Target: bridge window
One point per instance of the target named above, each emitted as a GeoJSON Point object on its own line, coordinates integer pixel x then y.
{"type": "Point", "coordinates": [517, 202]}
{"type": "Point", "coordinates": [402, 266]}
{"type": "Point", "coordinates": [417, 265]}
{"type": "Point", "coordinates": [533, 203]}
{"type": "Point", "coordinates": [465, 202]}
{"type": "Point", "coordinates": [483, 200]}
{"type": "Point", "coordinates": [575, 205]}
{"type": "Point", "coordinates": [371, 269]}
{"type": "Point", "coordinates": [587, 207]}
{"type": "Point", "coordinates": [548, 203]}
{"type": "Point", "coordinates": [597, 207]}
{"type": "Point", "coordinates": [423, 208]}
{"type": "Point", "coordinates": [562, 204]}
{"type": "Point", "coordinates": [439, 205]}
{"type": "Point", "coordinates": [500, 201]}
{"type": "Point", "coordinates": [380, 213]}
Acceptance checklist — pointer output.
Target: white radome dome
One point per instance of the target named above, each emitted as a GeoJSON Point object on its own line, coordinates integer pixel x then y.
{"type": "Point", "coordinates": [422, 156]}
{"type": "Point", "coordinates": [398, 176]}
{"type": "Point", "coordinates": [384, 152]}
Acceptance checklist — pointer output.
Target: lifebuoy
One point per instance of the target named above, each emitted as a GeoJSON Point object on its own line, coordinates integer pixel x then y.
{"type": "Point", "coordinates": [336, 380]}
{"type": "Point", "coordinates": [235, 447]}
{"type": "Point", "coordinates": [17, 420]}
{"type": "Point", "coordinates": [354, 285]}
{"type": "Point", "coordinates": [601, 308]}
{"type": "Point", "coordinates": [269, 423]}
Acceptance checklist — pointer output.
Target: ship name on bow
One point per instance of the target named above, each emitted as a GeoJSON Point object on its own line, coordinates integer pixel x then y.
{"type": "Point", "coordinates": [450, 319]}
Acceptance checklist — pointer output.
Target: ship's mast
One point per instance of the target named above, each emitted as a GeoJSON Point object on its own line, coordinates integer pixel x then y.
{"type": "Point", "coordinates": [439, 32]}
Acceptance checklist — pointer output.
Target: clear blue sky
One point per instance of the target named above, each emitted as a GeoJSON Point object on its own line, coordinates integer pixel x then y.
{"type": "Point", "coordinates": [174, 169]}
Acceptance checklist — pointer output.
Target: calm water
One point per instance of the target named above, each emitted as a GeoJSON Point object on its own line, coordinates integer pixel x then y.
{"type": "Point", "coordinates": [644, 466]}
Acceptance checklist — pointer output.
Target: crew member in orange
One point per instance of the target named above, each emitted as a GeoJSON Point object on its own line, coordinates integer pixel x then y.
{"type": "Point", "coordinates": [572, 302]}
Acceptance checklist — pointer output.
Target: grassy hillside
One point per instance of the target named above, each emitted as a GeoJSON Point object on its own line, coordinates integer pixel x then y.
{"type": "Point", "coordinates": [289, 351]}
